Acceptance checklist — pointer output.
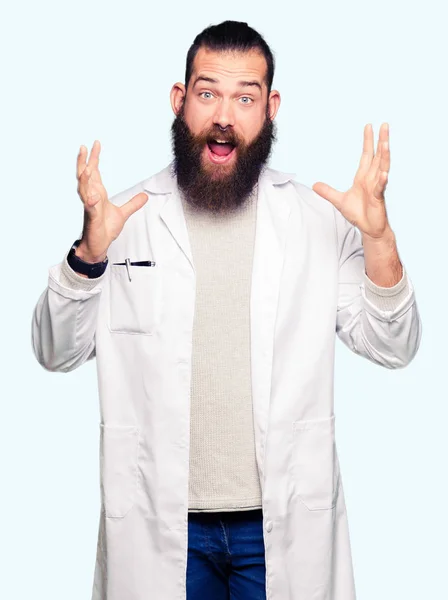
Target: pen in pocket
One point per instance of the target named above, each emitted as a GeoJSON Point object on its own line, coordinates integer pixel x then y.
{"type": "Point", "coordinates": [137, 263]}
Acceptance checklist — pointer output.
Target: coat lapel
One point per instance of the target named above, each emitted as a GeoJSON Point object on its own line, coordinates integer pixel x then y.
{"type": "Point", "coordinates": [171, 213]}
{"type": "Point", "coordinates": [273, 211]}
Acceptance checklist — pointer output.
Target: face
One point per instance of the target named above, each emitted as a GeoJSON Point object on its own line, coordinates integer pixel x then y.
{"type": "Point", "coordinates": [223, 130]}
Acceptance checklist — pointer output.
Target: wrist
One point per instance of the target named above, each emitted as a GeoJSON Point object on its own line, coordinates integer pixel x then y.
{"type": "Point", "coordinates": [382, 263]}
{"type": "Point", "coordinates": [386, 239]}
{"type": "Point", "coordinates": [86, 263]}
{"type": "Point", "coordinates": [84, 254]}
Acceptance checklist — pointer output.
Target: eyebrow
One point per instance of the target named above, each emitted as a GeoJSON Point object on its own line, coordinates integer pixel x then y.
{"type": "Point", "coordinates": [240, 83]}
{"type": "Point", "coordinates": [249, 84]}
{"type": "Point", "coordinates": [204, 78]}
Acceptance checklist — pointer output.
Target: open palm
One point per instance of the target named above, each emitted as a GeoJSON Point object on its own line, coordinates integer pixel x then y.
{"type": "Point", "coordinates": [363, 204]}
{"type": "Point", "coordinates": [103, 220]}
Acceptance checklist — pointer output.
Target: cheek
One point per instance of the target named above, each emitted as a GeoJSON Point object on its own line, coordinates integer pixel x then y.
{"type": "Point", "coordinates": [250, 133]}
{"type": "Point", "coordinates": [251, 124]}
{"type": "Point", "coordinates": [197, 118]}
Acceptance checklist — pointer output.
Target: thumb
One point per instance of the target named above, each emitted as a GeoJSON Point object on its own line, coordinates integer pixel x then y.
{"type": "Point", "coordinates": [328, 193]}
{"type": "Point", "coordinates": [133, 205]}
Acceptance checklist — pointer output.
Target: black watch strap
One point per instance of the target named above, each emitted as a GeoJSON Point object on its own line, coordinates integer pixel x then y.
{"type": "Point", "coordinates": [92, 270]}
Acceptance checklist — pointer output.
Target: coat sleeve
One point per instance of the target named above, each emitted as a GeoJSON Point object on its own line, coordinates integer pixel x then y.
{"type": "Point", "coordinates": [381, 324]}
{"type": "Point", "coordinates": [64, 319]}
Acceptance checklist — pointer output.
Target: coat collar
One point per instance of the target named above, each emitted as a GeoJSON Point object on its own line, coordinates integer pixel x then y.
{"type": "Point", "coordinates": [171, 212]}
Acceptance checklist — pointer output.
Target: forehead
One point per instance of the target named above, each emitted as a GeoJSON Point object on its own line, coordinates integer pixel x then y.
{"type": "Point", "coordinates": [230, 65]}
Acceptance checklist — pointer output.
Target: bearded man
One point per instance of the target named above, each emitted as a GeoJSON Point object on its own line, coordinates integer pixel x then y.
{"type": "Point", "coordinates": [211, 295]}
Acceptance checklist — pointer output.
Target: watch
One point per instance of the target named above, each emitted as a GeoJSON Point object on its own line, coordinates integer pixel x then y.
{"type": "Point", "coordinates": [92, 270]}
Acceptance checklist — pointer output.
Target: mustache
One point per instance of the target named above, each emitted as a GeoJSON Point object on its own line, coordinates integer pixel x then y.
{"type": "Point", "coordinates": [216, 133]}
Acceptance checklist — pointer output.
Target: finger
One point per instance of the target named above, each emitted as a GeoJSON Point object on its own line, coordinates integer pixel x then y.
{"type": "Point", "coordinates": [385, 153]}
{"type": "Point", "coordinates": [367, 153]}
{"type": "Point", "coordinates": [382, 138]}
{"type": "Point", "coordinates": [376, 158]}
{"type": "Point", "coordinates": [380, 186]}
{"type": "Point", "coordinates": [328, 193]}
{"type": "Point", "coordinates": [81, 161]}
{"type": "Point", "coordinates": [84, 190]}
{"type": "Point", "coordinates": [380, 155]}
{"type": "Point", "coordinates": [85, 176]}
{"type": "Point", "coordinates": [133, 205]}
{"type": "Point", "coordinates": [94, 155]}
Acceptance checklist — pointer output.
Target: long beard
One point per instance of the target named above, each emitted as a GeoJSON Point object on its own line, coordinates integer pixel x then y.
{"type": "Point", "coordinates": [214, 188]}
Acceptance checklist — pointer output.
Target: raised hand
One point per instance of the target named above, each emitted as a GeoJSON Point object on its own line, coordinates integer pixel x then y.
{"type": "Point", "coordinates": [363, 204]}
{"type": "Point", "coordinates": [103, 221]}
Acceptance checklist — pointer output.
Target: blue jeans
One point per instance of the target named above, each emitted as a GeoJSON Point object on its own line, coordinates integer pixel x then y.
{"type": "Point", "coordinates": [226, 556]}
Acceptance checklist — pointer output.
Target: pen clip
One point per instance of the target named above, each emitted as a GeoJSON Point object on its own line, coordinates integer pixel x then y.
{"type": "Point", "coordinates": [128, 264]}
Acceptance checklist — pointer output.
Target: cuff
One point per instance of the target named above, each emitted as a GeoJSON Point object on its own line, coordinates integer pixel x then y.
{"type": "Point", "coordinates": [69, 278]}
{"type": "Point", "coordinates": [386, 298]}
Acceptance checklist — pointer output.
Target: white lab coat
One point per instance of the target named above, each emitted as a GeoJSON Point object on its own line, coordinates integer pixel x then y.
{"type": "Point", "coordinates": [308, 283]}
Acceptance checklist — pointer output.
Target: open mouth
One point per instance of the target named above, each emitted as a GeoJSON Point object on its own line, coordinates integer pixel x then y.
{"type": "Point", "coordinates": [220, 150]}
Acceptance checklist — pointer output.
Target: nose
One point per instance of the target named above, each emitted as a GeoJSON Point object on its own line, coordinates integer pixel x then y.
{"type": "Point", "coordinates": [224, 116]}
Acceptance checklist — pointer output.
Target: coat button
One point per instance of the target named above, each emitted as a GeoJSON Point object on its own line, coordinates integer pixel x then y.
{"type": "Point", "coordinates": [268, 526]}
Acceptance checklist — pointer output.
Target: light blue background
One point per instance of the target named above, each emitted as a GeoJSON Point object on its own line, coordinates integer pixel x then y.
{"type": "Point", "coordinates": [85, 70]}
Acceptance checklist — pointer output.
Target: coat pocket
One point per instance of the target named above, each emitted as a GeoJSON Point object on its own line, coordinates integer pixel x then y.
{"type": "Point", "coordinates": [315, 464]}
{"type": "Point", "coordinates": [118, 468]}
{"type": "Point", "coordinates": [134, 304]}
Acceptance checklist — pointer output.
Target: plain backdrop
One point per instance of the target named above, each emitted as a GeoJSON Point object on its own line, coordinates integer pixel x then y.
{"type": "Point", "coordinates": [80, 71]}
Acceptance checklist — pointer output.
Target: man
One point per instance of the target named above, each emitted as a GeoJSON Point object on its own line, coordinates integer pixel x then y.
{"type": "Point", "coordinates": [210, 295]}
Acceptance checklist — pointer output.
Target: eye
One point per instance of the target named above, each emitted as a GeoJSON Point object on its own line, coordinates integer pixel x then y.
{"type": "Point", "coordinates": [246, 100]}
{"type": "Point", "coordinates": [210, 95]}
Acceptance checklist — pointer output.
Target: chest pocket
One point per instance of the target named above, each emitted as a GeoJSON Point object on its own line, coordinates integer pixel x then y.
{"type": "Point", "coordinates": [134, 305]}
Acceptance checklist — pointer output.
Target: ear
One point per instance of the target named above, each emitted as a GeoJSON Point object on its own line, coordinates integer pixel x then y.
{"type": "Point", "coordinates": [177, 97]}
{"type": "Point", "coordinates": [274, 103]}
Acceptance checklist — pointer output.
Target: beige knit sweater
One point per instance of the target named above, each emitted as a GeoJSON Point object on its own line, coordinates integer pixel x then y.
{"type": "Point", "coordinates": [223, 469]}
